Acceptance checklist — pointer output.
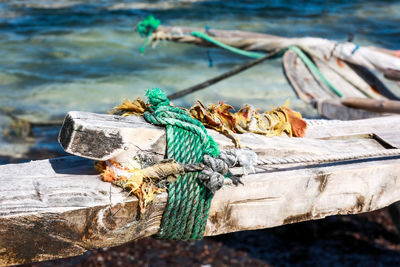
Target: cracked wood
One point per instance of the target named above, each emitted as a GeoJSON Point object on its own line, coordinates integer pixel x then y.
{"type": "Point", "coordinates": [60, 207]}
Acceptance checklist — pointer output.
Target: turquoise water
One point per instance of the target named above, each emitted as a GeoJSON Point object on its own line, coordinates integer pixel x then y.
{"type": "Point", "coordinates": [58, 56]}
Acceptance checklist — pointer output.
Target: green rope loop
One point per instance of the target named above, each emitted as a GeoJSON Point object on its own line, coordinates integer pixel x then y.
{"type": "Point", "coordinates": [145, 28]}
{"type": "Point", "coordinates": [189, 200]}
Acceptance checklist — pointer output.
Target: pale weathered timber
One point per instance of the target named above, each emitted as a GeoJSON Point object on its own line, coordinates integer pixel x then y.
{"type": "Point", "coordinates": [135, 136]}
{"type": "Point", "coordinates": [100, 137]}
{"type": "Point", "coordinates": [369, 57]}
{"type": "Point", "coordinates": [54, 213]}
{"type": "Point", "coordinates": [60, 207]}
{"type": "Point", "coordinates": [337, 128]}
{"type": "Point", "coordinates": [311, 90]}
{"type": "Point", "coordinates": [343, 77]}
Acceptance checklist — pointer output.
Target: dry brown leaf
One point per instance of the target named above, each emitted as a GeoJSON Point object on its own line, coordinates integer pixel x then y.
{"type": "Point", "coordinates": [221, 117]}
{"type": "Point", "coordinates": [299, 126]}
{"type": "Point", "coordinates": [127, 108]}
{"type": "Point", "coordinates": [211, 117]}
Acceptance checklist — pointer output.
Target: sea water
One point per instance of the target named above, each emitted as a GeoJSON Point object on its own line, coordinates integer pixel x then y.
{"type": "Point", "coordinates": [57, 56]}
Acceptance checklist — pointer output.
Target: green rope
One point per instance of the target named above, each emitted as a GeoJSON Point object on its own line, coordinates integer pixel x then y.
{"type": "Point", "coordinates": [150, 24]}
{"type": "Point", "coordinates": [145, 28]}
{"type": "Point", "coordinates": [227, 47]}
{"type": "Point", "coordinates": [310, 65]}
{"type": "Point", "coordinates": [189, 200]}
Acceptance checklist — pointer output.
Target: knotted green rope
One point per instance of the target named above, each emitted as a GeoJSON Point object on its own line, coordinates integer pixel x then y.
{"type": "Point", "coordinates": [189, 200]}
{"type": "Point", "coordinates": [145, 28]}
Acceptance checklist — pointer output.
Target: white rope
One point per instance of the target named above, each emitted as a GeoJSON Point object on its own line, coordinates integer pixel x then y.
{"type": "Point", "coordinates": [327, 158]}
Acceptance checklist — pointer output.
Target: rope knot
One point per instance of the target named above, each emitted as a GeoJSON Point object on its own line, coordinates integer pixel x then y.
{"type": "Point", "coordinates": [157, 98]}
{"type": "Point", "coordinates": [216, 169]}
{"type": "Point", "coordinates": [148, 25]}
{"type": "Point", "coordinates": [145, 28]}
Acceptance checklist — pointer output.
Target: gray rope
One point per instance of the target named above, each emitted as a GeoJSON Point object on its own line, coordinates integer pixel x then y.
{"type": "Point", "coordinates": [322, 122]}
{"type": "Point", "coordinates": [214, 170]}
{"type": "Point", "coordinates": [327, 158]}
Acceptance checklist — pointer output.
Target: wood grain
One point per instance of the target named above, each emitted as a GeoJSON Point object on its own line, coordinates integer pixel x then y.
{"type": "Point", "coordinates": [60, 207]}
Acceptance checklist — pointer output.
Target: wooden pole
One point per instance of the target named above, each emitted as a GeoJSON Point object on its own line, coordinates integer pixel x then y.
{"type": "Point", "coordinates": [221, 77]}
{"type": "Point", "coordinates": [374, 105]}
{"type": "Point", "coordinates": [392, 74]}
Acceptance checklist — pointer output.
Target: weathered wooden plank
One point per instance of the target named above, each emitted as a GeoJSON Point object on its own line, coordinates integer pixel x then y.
{"type": "Point", "coordinates": [309, 89]}
{"type": "Point", "coordinates": [60, 207]}
{"type": "Point", "coordinates": [152, 139]}
{"type": "Point", "coordinates": [324, 128]}
{"type": "Point", "coordinates": [339, 74]}
{"type": "Point", "coordinates": [275, 198]}
{"type": "Point", "coordinates": [100, 136]}
{"type": "Point", "coordinates": [76, 213]}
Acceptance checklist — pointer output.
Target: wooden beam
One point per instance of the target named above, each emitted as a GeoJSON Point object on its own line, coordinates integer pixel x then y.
{"type": "Point", "coordinates": [392, 74]}
{"type": "Point", "coordinates": [374, 105]}
{"type": "Point", "coordinates": [102, 137]}
{"type": "Point", "coordinates": [60, 207]}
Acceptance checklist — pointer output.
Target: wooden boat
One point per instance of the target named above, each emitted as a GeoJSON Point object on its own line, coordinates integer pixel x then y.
{"type": "Point", "coordinates": [358, 84]}
{"type": "Point", "coordinates": [346, 66]}
{"type": "Point", "coordinates": [339, 167]}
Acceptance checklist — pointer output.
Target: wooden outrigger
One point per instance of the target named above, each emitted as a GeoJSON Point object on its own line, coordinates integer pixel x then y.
{"type": "Point", "coordinates": [346, 65]}
{"type": "Point", "coordinates": [60, 207]}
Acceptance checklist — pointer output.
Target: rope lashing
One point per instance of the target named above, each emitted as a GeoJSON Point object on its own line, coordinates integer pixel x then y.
{"type": "Point", "coordinates": [189, 200]}
{"type": "Point", "coordinates": [145, 28]}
